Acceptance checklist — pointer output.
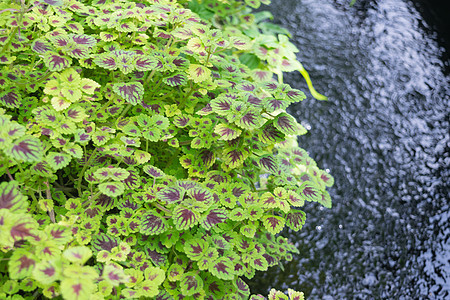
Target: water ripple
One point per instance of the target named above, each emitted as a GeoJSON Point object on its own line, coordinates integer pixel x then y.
{"type": "Point", "coordinates": [384, 135]}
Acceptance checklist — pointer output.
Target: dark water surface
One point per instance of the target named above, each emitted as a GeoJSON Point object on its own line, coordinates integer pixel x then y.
{"type": "Point", "coordinates": [384, 135]}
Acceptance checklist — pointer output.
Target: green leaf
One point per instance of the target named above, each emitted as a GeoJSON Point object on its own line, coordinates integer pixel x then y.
{"type": "Point", "coordinates": [78, 254]}
{"type": "Point", "coordinates": [191, 283]}
{"type": "Point", "coordinates": [198, 73]}
{"type": "Point", "coordinates": [47, 271]}
{"type": "Point", "coordinates": [77, 288]}
{"type": "Point", "coordinates": [58, 160]}
{"type": "Point", "coordinates": [112, 189]}
{"type": "Point", "coordinates": [132, 92]}
{"type": "Point", "coordinates": [21, 264]}
{"type": "Point", "coordinates": [222, 268]}
{"type": "Point", "coordinates": [155, 275]}
{"type": "Point", "coordinates": [114, 275]}
{"type": "Point", "coordinates": [286, 124]}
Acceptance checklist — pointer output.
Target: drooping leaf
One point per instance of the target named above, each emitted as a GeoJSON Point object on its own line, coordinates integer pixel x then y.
{"type": "Point", "coordinates": [325, 199]}
{"type": "Point", "coordinates": [227, 132]}
{"type": "Point", "coordinates": [11, 198]}
{"type": "Point", "coordinates": [286, 124]}
{"type": "Point", "coordinates": [152, 223]}
{"type": "Point", "coordinates": [295, 219]}
{"type": "Point", "coordinates": [26, 148]}
{"type": "Point", "coordinates": [132, 92]}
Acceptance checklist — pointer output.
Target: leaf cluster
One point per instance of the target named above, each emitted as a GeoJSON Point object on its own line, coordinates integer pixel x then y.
{"type": "Point", "coordinates": [146, 151]}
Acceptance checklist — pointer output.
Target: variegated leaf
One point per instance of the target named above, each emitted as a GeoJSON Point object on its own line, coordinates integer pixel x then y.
{"type": "Point", "coordinates": [273, 224]}
{"type": "Point", "coordinates": [152, 224]}
{"type": "Point", "coordinates": [184, 218]}
{"type": "Point", "coordinates": [112, 189]}
{"type": "Point", "coordinates": [132, 92]}
{"type": "Point", "coordinates": [26, 148]}
{"type": "Point", "coordinates": [227, 132]}
{"type": "Point", "coordinates": [295, 219]}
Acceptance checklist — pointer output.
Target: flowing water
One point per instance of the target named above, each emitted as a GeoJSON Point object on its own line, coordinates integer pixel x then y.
{"type": "Point", "coordinates": [384, 135]}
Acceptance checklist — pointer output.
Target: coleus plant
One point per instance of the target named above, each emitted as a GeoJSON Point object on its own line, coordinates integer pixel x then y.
{"type": "Point", "coordinates": [146, 151]}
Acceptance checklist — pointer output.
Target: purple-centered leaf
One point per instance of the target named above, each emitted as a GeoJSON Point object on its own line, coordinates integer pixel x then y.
{"type": "Point", "coordinates": [325, 199]}
{"type": "Point", "coordinates": [294, 199]}
{"type": "Point", "coordinates": [171, 194]}
{"type": "Point", "coordinates": [286, 124]}
{"type": "Point", "coordinates": [227, 132]}
{"type": "Point", "coordinates": [213, 217]}
{"type": "Point", "coordinates": [222, 268]}
{"type": "Point", "coordinates": [132, 92]}
{"type": "Point", "coordinates": [191, 283]}
{"type": "Point", "coordinates": [144, 63]}
{"type": "Point", "coordinates": [132, 181]}
{"type": "Point", "coordinates": [242, 288]}
{"type": "Point", "coordinates": [295, 219]}
{"type": "Point", "coordinates": [268, 163]}
{"type": "Point", "coordinates": [221, 105]}
{"type": "Point", "coordinates": [271, 135]}
{"type": "Point", "coordinates": [112, 189]}
{"type": "Point", "coordinates": [153, 171]}
{"type": "Point", "coordinates": [235, 157]}
{"type": "Point", "coordinates": [152, 224]}
{"type": "Point", "coordinates": [195, 248]}
{"type": "Point", "coordinates": [56, 62]}
{"type": "Point", "coordinates": [107, 61]}
{"type": "Point", "coordinates": [84, 40]}
{"type": "Point", "coordinates": [175, 79]}
{"type": "Point", "coordinates": [184, 218]}
{"type": "Point", "coordinates": [250, 120]}
{"type": "Point", "coordinates": [10, 98]}
{"type": "Point", "coordinates": [103, 241]}
{"type": "Point", "coordinates": [41, 46]}
{"type": "Point", "coordinates": [26, 148]}
{"type": "Point", "coordinates": [273, 224]}
{"type": "Point", "coordinates": [58, 160]}
{"type": "Point", "coordinates": [21, 264]}
{"type": "Point", "coordinates": [42, 169]}
{"type": "Point", "coordinates": [309, 192]}
{"type": "Point", "coordinates": [11, 198]}
{"type": "Point", "coordinates": [295, 95]}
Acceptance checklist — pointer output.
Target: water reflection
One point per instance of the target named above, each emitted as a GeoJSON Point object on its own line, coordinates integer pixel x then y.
{"type": "Point", "coordinates": [384, 135]}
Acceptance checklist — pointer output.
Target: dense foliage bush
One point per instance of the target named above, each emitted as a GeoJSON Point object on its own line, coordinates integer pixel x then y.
{"type": "Point", "coordinates": [145, 149]}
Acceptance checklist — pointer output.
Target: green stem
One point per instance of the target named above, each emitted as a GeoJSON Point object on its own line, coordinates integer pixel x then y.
{"type": "Point", "coordinates": [125, 111]}
{"type": "Point", "coordinates": [9, 175]}
{"type": "Point", "coordinates": [6, 46]}
{"type": "Point", "coordinates": [162, 208]}
{"type": "Point", "coordinates": [80, 177]}
{"type": "Point", "coordinates": [149, 77]}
